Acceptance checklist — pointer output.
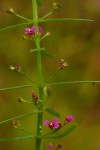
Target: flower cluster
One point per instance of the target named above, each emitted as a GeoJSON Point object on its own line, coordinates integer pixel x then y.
{"type": "Point", "coordinates": [56, 123]}
{"type": "Point", "coordinates": [62, 64]}
{"type": "Point", "coordinates": [31, 31]}
{"type": "Point", "coordinates": [16, 123]}
{"type": "Point", "coordinates": [16, 68]}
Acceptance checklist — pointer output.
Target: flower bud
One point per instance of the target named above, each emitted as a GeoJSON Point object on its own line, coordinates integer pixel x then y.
{"type": "Point", "coordinates": [20, 99]}
{"type": "Point", "coordinates": [16, 123]}
{"type": "Point", "coordinates": [12, 68]}
{"type": "Point", "coordinates": [58, 146]}
{"type": "Point", "coordinates": [69, 118]}
{"type": "Point", "coordinates": [16, 68]}
{"type": "Point", "coordinates": [62, 64]}
{"type": "Point", "coordinates": [10, 11]}
{"type": "Point", "coordinates": [56, 5]}
{"type": "Point", "coordinates": [48, 33]}
{"type": "Point", "coordinates": [48, 90]}
{"type": "Point", "coordinates": [35, 98]}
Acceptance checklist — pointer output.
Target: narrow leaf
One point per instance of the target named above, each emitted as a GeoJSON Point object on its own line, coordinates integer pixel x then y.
{"type": "Point", "coordinates": [18, 138]}
{"type": "Point", "coordinates": [45, 53]}
{"type": "Point", "coordinates": [74, 82]}
{"type": "Point", "coordinates": [65, 133]}
{"type": "Point", "coordinates": [18, 117]}
{"type": "Point", "coordinates": [53, 112]}
{"type": "Point", "coordinates": [17, 87]}
{"type": "Point", "coordinates": [15, 26]}
{"type": "Point", "coordinates": [63, 20]}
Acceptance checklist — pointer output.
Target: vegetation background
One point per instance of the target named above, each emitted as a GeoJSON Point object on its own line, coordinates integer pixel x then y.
{"type": "Point", "coordinates": [76, 42]}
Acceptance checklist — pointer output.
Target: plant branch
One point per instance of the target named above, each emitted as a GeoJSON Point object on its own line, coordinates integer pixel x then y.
{"type": "Point", "coordinates": [74, 82]}
{"type": "Point", "coordinates": [18, 87]}
{"type": "Point", "coordinates": [18, 117]}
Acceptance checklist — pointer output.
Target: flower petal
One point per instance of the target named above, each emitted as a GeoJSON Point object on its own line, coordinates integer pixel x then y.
{"type": "Point", "coordinates": [46, 122]}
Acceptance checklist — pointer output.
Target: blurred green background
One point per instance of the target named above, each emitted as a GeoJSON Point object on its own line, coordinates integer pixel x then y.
{"type": "Point", "coordinates": [76, 42]}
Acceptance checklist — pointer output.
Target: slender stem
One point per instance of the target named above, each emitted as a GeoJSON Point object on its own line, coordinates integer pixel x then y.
{"type": "Point", "coordinates": [74, 82]}
{"type": "Point", "coordinates": [26, 131]}
{"type": "Point", "coordinates": [18, 138]}
{"type": "Point", "coordinates": [54, 75]}
{"type": "Point", "coordinates": [16, 26]}
{"type": "Point", "coordinates": [19, 16]}
{"type": "Point", "coordinates": [48, 14]}
{"type": "Point", "coordinates": [18, 117]}
{"type": "Point", "coordinates": [18, 87]}
{"type": "Point", "coordinates": [26, 76]}
{"type": "Point", "coordinates": [40, 80]}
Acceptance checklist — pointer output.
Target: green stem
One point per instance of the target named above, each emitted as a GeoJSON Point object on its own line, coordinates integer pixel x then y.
{"type": "Point", "coordinates": [26, 131]}
{"type": "Point", "coordinates": [19, 16]}
{"type": "Point", "coordinates": [27, 77]}
{"type": "Point", "coordinates": [18, 87]}
{"type": "Point", "coordinates": [40, 80]}
{"type": "Point", "coordinates": [48, 14]}
{"type": "Point", "coordinates": [73, 82]}
{"type": "Point", "coordinates": [18, 117]}
{"type": "Point", "coordinates": [18, 138]}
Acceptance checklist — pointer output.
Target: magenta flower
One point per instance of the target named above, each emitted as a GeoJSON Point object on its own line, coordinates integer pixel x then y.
{"type": "Point", "coordinates": [50, 146]}
{"type": "Point", "coordinates": [40, 30]}
{"type": "Point", "coordinates": [69, 118]}
{"type": "Point", "coordinates": [31, 31]}
{"type": "Point", "coordinates": [53, 125]}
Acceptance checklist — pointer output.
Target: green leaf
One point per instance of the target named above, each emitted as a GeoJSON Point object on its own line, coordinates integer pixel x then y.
{"type": "Point", "coordinates": [17, 87]}
{"type": "Point", "coordinates": [63, 20]}
{"type": "Point", "coordinates": [45, 53]}
{"type": "Point", "coordinates": [73, 82]}
{"type": "Point", "coordinates": [65, 133]}
{"type": "Point", "coordinates": [39, 2]}
{"type": "Point", "coordinates": [18, 117]}
{"type": "Point", "coordinates": [53, 112]}
{"type": "Point", "coordinates": [15, 26]}
{"type": "Point", "coordinates": [18, 138]}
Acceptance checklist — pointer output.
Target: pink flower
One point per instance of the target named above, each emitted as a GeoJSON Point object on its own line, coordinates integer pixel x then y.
{"type": "Point", "coordinates": [40, 30]}
{"type": "Point", "coordinates": [53, 125]}
{"type": "Point", "coordinates": [50, 146]}
{"type": "Point", "coordinates": [69, 118]}
{"type": "Point", "coordinates": [31, 31]}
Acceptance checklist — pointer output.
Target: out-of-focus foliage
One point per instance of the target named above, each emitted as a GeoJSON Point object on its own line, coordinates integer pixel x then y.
{"type": "Point", "coordinates": [76, 42]}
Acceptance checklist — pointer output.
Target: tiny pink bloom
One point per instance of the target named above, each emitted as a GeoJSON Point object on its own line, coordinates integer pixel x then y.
{"type": "Point", "coordinates": [40, 30]}
{"type": "Point", "coordinates": [30, 31]}
{"type": "Point", "coordinates": [50, 146]}
{"type": "Point", "coordinates": [46, 122]}
{"type": "Point", "coordinates": [53, 125]}
{"type": "Point", "coordinates": [70, 118]}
